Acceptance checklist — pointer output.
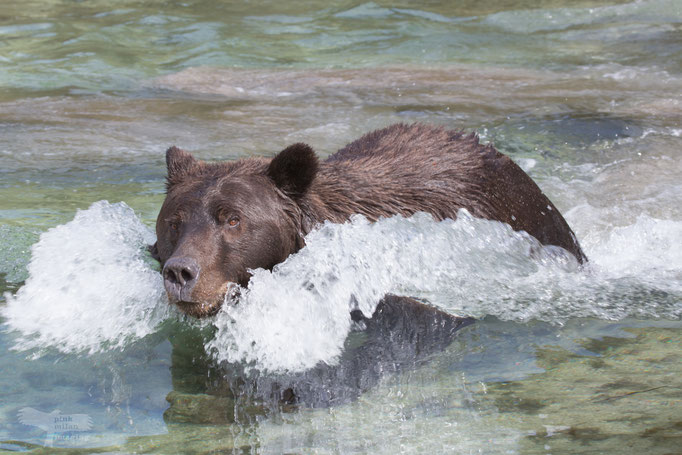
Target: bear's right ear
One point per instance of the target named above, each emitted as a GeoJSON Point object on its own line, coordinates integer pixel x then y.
{"type": "Point", "coordinates": [294, 169]}
{"type": "Point", "coordinates": [154, 251]}
{"type": "Point", "coordinates": [179, 164]}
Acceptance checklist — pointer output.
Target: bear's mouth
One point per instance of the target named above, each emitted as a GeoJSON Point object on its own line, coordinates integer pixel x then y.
{"type": "Point", "coordinates": [199, 309]}
{"type": "Point", "coordinates": [229, 294]}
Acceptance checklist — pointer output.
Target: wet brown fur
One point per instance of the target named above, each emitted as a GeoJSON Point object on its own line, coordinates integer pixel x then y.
{"type": "Point", "coordinates": [401, 169]}
{"type": "Point", "coordinates": [405, 169]}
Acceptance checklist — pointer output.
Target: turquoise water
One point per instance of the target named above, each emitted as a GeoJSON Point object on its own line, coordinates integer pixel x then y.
{"type": "Point", "coordinates": [585, 96]}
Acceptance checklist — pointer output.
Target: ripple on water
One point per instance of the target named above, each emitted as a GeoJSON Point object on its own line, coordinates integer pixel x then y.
{"type": "Point", "coordinates": [468, 267]}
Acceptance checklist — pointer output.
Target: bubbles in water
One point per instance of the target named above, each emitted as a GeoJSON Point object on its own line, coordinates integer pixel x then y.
{"type": "Point", "coordinates": [307, 299]}
{"type": "Point", "coordinates": [298, 314]}
{"type": "Point", "coordinates": [89, 288]}
{"type": "Point", "coordinates": [650, 248]}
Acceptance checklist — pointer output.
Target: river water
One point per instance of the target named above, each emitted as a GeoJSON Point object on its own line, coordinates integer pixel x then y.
{"type": "Point", "coordinates": [587, 98]}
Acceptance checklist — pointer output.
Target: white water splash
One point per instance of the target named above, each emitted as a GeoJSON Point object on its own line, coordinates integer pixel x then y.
{"type": "Point", "coordinates": [88, 287]}
{"type": "Point", "coordinates": [298, 314]}
{"type": "Point", "coordinates": [307, 299]}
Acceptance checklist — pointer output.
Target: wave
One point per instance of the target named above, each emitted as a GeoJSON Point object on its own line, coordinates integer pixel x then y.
{"type": "Point", "coordinates": [91, 286]}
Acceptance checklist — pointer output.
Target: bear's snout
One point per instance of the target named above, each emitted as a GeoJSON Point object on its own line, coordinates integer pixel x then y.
{"type": "Point", "coordinates": [179, 277]}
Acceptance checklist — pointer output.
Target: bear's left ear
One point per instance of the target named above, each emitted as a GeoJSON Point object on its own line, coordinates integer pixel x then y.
{"type": "Point", "coordinates": [179, 164]}
{"type": "Point", "coordinates": [294, 169]}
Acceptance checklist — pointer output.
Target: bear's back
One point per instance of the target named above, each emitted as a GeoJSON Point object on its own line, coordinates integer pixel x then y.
{"type": "Point", "coordinates": [407, 141]}
{"type": "Point", "coordinates": [438, 171]}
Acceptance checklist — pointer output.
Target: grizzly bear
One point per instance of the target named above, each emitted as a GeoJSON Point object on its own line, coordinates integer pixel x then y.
{"type": "Point", "coordinates": [220, 220]}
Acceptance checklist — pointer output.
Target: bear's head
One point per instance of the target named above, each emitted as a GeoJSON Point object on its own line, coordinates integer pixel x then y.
{"type": "Point", "coordinates": [221, 220]}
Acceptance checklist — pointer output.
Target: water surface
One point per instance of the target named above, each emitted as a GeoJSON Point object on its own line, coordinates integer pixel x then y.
{"type": "Point", "coordinates": [585, 97]}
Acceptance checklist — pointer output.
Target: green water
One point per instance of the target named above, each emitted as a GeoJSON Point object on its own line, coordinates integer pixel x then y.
{"type": "Point", "coordinates": [587, 96]}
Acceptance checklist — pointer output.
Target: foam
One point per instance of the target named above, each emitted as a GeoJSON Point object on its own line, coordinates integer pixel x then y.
{"type": "Point", "coordinates": [297, 315]}
{"type": "Point", "coordinates": [89, 288]}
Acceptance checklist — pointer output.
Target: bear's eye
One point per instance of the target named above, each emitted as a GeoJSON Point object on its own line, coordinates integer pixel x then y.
{"type": "Point", "coordinates": [233, 222]}
{"type": "Point", "coordinates": [174, 225]}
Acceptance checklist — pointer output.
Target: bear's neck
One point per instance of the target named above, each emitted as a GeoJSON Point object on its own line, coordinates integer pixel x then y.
{"type": "Point", "coordinates": [341, 190]}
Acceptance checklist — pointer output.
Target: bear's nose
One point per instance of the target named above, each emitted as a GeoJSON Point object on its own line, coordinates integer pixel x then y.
{"type": "Point", "coordinates": [180, 275]}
